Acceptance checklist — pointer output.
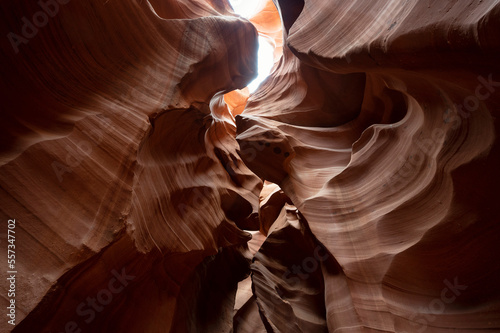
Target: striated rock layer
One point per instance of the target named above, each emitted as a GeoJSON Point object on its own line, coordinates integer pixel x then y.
{"type": "Point", "coordinates": [119, 162]}
{"type": "Point", "coordinates": [355, 190]}
{"type": "Point", "coordinates": [379, 124]}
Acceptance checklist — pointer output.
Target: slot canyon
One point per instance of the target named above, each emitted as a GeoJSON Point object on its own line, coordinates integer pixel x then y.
{"type": "Point", "coordinates": [146, 188]}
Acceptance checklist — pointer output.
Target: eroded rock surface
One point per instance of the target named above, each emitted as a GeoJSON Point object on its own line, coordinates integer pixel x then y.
{"type": "Point", "coordinates": [381, 121]}
{"type": "Point", "coordinates": [354, 191]}
{"type": "Point", "coordinates": [144, 177]}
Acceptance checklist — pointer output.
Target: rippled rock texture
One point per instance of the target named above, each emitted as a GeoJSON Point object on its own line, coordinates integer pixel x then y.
{"type": "Point", "coordinates": [354, 191]}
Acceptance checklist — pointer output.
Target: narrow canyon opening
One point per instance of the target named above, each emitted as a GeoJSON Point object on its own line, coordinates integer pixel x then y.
{"type": "Point", "coordinates": [147, 186]}
{"type": "Point", "coordinates": [267, 21]}
{"type": "Point", "coordinates": [265, 17]}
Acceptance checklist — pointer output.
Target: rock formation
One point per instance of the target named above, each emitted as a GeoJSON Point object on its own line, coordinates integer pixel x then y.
{"type": "Point", "coordinates": [354, 191]}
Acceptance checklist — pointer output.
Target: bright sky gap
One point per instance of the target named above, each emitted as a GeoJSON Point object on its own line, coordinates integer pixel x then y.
{"type": "Point", "coordinates": [247, 9]}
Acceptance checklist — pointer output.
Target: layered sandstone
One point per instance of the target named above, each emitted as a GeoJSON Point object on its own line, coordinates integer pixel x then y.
{"type": "Point", "coordinates": [354, 191]}
{"type": "Point", "coordinates": [379, 124]}
{"type": "Point", "coordinates": [117, 157]}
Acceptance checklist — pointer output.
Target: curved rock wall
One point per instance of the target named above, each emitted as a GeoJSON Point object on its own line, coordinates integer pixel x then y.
{"type": "Point", "coordinates": [390, 158]}
{"type": "Point", "coordinates": [117, 160]}
{"type": "Point", "coordinates": [353, 192]}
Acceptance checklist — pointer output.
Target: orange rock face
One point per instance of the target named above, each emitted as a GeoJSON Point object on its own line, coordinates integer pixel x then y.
{"type": "Point", "coordinates": [354, 191]}
{"type": "Point", "coordinates": [268, 24]}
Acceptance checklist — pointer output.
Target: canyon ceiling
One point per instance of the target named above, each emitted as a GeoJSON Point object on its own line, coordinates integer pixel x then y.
{"type": "Point", "coordinates": [354, 191]}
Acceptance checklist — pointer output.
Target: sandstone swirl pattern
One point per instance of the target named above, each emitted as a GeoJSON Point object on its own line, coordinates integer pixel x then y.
{"type": "Point", "coordinates": [365, 167]}
{"type": "Point", "coordinates": [117, 156]}
{"type": "Point", "coordinates": [387, 112]}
